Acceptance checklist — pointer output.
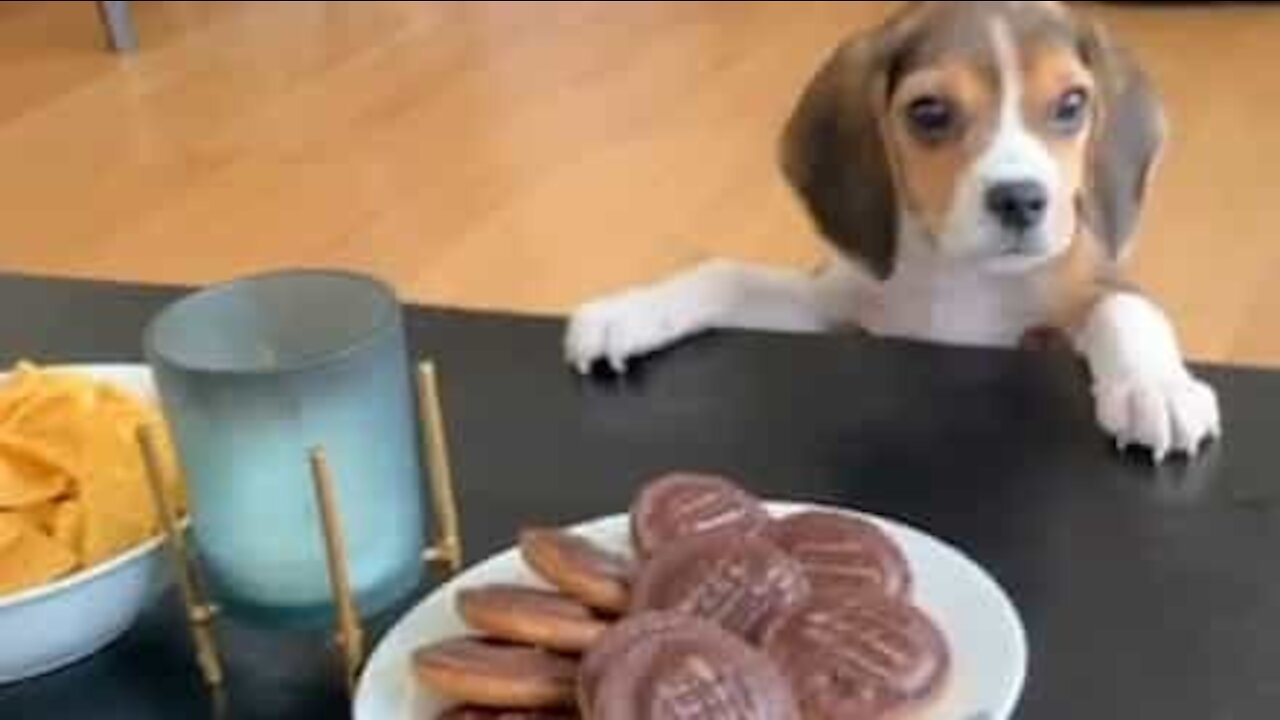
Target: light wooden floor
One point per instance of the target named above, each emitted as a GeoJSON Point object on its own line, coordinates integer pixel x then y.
{"type": "Point", "coordinates": [528, 156]}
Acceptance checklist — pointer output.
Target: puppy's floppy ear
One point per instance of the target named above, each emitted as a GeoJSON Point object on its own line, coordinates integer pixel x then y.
{"type": "Point", "coordinates": [1128, 136]}
{"type": "Point", "coordinates": [835, 158]}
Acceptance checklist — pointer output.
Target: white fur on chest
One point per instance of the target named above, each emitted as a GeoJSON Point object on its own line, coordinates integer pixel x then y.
{"type": "Point", "coordinates": [931, 299]}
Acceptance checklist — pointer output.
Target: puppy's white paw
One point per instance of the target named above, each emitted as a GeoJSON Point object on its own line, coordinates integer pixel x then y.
{"type": "Point", "coordinates": [1173, 413]}
{"type": "Point", "coordinates": [621, 327]}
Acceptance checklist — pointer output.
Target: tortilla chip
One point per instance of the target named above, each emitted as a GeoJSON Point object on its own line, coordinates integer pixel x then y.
{"type": "Point", "coordinates": [41, 516]}
{"type": "Point", "coordinates": [68, 526]}
{"type": "Point", "coordinates": [28, 477]}
{"type": "Point", "coordinates": [10, 529]}
{"type": "Point", "coordinates": [119, 511]}
{"type": "Point", "coordinates": [56, 422]}
{"type": "Point", "coordinates": [32, 560]}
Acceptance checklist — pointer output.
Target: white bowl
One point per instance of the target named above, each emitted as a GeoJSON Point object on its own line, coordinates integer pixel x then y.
{"type": "Point", "coordinates": [52, 626]}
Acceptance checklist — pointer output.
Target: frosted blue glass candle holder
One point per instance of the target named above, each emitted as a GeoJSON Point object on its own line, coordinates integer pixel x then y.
{"type": "Point", "coordinates": [253, 375]}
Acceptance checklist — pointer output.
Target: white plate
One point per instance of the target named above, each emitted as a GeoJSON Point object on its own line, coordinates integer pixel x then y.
{"type": "Point", "coordinates": [55, 625]}
{"type": "Point", "coordinates": [984, 632]}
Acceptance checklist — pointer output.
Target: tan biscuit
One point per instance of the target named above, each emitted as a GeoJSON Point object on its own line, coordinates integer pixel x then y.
{"type": "Point", "coordinates": [530, 616]}
{"type": "Point", "coordinates": [588, 573]}
{"type": "Point", "coordinates": [494, 675]}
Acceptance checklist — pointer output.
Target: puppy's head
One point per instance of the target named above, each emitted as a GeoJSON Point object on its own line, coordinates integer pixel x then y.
{"type": "Point", "coordinates": [996, 128]}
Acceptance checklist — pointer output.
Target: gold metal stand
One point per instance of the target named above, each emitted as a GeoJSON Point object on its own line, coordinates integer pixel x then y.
{"type": "Point", "coordinates": [350, 633]}
{"type": "Point", "coordinates": [444, 553]}
{"type": "Point", "coordinates": [200, 614]}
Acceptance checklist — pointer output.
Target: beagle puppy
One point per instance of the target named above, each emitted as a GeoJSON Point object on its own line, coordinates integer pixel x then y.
{"type": "Point", "coordinates": [978, 169]}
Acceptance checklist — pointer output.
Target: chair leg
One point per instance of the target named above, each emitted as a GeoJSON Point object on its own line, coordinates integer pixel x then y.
{"type": "Point", "coordinates": [118, 23]}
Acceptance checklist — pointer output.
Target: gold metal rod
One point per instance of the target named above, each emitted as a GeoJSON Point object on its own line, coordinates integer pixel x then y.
{"type": "Point", "coordinates": [448, 549]}
{"type": "Point", "coordinates": [350, 633]}
{"type": "Point", "coordinates": [200, 614]}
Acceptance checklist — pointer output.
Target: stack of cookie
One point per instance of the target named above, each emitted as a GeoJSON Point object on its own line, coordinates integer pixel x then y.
{"type": "Point", "coordinates": [725, 614]}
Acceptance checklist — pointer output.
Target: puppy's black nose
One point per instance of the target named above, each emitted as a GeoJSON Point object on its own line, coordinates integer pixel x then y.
{"type": "Point", "coordinates": [1018, 205]}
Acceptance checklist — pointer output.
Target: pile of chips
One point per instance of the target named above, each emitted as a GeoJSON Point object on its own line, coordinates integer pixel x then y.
{"type": "Point", "coordinates": [73, 488]}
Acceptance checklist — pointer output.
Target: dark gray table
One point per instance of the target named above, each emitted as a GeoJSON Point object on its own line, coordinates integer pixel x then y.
{"type": "Point", "coordinates": [1146, 593]}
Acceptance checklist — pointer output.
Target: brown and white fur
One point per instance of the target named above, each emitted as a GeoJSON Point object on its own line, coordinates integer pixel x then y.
{"type": "Point", "coordinates": [978, 169]}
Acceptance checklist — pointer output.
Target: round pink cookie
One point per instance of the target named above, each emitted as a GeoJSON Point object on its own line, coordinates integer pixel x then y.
{"type": "Point", "coordinates": [862, 658]}
{"type": "Point", "coordinates": [694, 671]}
{"type": "Point", "coordinates": [682, 505]}
{"type": "Point", "coordinates": [741, 583]}
{"type": "Point", "coordinates": [843, 555]}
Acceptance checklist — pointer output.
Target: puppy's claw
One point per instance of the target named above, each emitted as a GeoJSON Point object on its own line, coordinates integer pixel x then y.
{"type": "Point", "coordinates": [616, 330]}
{"type": "Point", "coordinates": [618, 364]}
{"type": "Point", "coordinates": [1168, 416]}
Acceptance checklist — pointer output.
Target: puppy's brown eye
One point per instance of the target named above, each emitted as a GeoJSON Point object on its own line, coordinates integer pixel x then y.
{"type": "Point", "coordinates": [933, 119]}
{"type": "Point", "coordinates": [1070, 111]}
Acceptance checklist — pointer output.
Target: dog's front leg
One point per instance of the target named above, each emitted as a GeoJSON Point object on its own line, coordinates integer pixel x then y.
{"type": "Point", "coordinates": [1143, 391]}
{"type": "Point", "coordinates": [715, 295]}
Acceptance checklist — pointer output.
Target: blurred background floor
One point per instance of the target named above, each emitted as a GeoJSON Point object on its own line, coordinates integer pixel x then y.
{"type": "Point", "coordinates": [527, 156]}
